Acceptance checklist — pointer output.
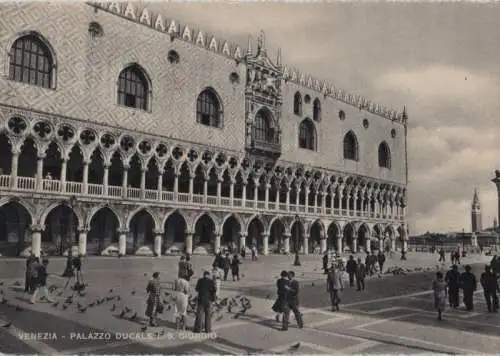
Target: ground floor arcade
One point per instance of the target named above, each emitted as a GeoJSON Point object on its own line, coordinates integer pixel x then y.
{"type": "Point", "coordinates": [55, 227]}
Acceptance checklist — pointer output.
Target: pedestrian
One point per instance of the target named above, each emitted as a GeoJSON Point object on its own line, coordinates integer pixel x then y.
{"type": "Point", "coordinates": [325, 262]}
{"type": "Point", "coordinates": [452, 280]}
{"type": "Point", "coordinates": [280, 306]}
{"type": "Point", "coordinates": [34, 268]}
{"type": "Point", "coordinates": [368, 262]}
{"type": "Point", "coordinates": [351, 267]}
{"type": "Point", "coordinates": [206, 296]}
{"type": "Point", "coordinates": [334, 285]}
{"type": "Point", "coordinates": [254, 253]}
{"type": "Point", "coordinates": [468, 284]}
{"type": "Point", "coordinates": [181, 302]}
{"type": "Point", "coordinates": [235, 268]}
{"type": "Point", "coordinates": [218, 261]}
{"type": "Point", "coordinates": [452, 257]}
{"type": "Point", "coordinates": [457, 256]}
{"type": "Point", "coordinates": [153, 299]}
{"type": "Point", "coordinates": [41, 283]}
{"type": "Point", "coordinates": [226, 266]}
{"type": "Point", "coordinates": [293, 300]}
{"type": "Point", "coordinates": [439, 288]}
{"type": "Point", "coordinates": [442, 257]}
{"type": "Point", "coordinates": [489, 282]}
{"type": "Point", "coordinates": [27, 273]}
{"type": "Point", "coordinates": [403, 255]}
{"type": "Point", "coordinates": [77, 264]}
{"type": "Point", "coordinates": [381, 260]}
{"type": "Point", "coordinates": [360, 276]}
{"type": "Point", "coordinates": [216, 278]}
{"type": "Point", "coordinates": [185, 268]}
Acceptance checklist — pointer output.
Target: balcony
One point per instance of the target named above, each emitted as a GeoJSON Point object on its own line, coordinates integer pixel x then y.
{"type": "Point", "coordinates": [265, 148]}
{"type": "Point", "coordinates": [61, 189]}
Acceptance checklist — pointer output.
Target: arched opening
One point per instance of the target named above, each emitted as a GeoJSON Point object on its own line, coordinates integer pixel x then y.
{"type": "Point", "coordinates": [251, 186]}
{"type": "Point", "coordinates": [283, 187]}
{"type": "Point", "coordinates": [349, 236]}
{"type": "Point", "coordinates": [184, 177]}
{"type": "Point", "coordinates": [333, 235]}
{"type": "Point", "coordinates": [96, 168]}
{"type": "Point", "coordinates": [363, 236]}
{"type": "Point", "coordinates": [316, 110]}
{"type": "Point", "coordinates": [255, 231]}
{"type": "Point", "coordinates": [209, 108]}
{"type": "Point", "coordinates": [74, 168]}
{"type": "Point", "coordinates": [345, 199]}
{"type": "Point", "coordinates": [152, 174]}
{"type": "Point", "coordinates": [204, 230]}
{"type": "Point", "coordinates": [133, 88]}
{"type": "Point", "coordinates": [350, 146]}
{"type": "Point", "coordinates": [297, 238]}
{"type": "Point", "coordinates": [175, 230]}
{"type": "Point", "coordinates": [199, 180]}
{"type": "Point", "coordinates": [115, 175]}
{"type": "Point", "coordinates": [103, 231]}
{"type": "Point", "coordinates": [134, 172]}
{"type": "Point", "coordinates": [238, 186]}
{"type": "Point", "coordinates": [15, 223]}
{"type": "Point", "coordinates": [276, 233]}
{"type": "Point", "coordinates": [261, 188]}
{"type": "Point", "coordinates": [384, 155]}
{"type": "Point", "coordinates": [263, 130]}
{"type": "Point", "coordinates": [28, 159]}
{"type": "Point", "coordinates": [297, 104]}
{"type": "Point", "coordinates": [307, 135]}
{"type": "Point", "coordinates": [303, 193]}
{"type": "Point", "coordinates": [141, 231]}
{"type": "Point", "coordinates": [230, 232]}
{"type": "Point", "coordinates": [169, 176]}
{"type": "Point", "coordinates": [389, 238]}
{"type": "Point", "coordinates": [294, 192]}
{"type": "Point", "coordinates": [61, 230]}
{"type": "Point", "coordinates": [316, 235]}
{"type": "Point", "coordinates": [6, 156]}
{"type": "Point", "coordinates": [52, 162]}
{"type": "Point", "coordinates": [226, 184]}
{"type": "Point", "coordinates": [212, 182]}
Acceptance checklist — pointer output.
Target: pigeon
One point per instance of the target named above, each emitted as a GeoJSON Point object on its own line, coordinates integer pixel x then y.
{"type": "Point", "coordinates": [8, 325]}
{"type": "Point", "coordinates": [108, 299]}
{"type": "Point", "coordinates": [268, 296]}
{"type": "Point", "coordinates": [127, 310]}
{"type": "Point", "coordinates": [133, 292]}
{"type": "Point", "coordinates": [81, 294]}
{"type": "Point", "coordinates": [55, 304]}
{"type": "Point", "coordinates": [1, 283]}
{"type": "Point", "coordinates": [295, 346]}
{"type": "Point", "coordinates": [17, 283]}
{"type": "Point", "coordinates": [145, 274]}
{"type": "Point", "coordinates": [122, 314]}
{"type": "Point", "coordinates": [69, 300]}
{"type": "Point", "coordinates": [118, 298]}
{"type": "Point", "coordinates": [65, 306]}
{"type": "Point", "coordinates": [133, 317]}
{"type": "Point", "coordinates": [82, 310]}
{"type": "Point", "coordinates": [1, 291]}
{"type": "Point", "coordinates": [91, 305]}
{"type": "Point", "coordinates": [236, 316]}
{"type": "Point", "coordinates": [219, 318]}
{"type": "Point", "coordinates": [78, 305]}
{"type": "Point", "coordinates": [60, 293]}
{"type": "Point", "coordinates": [113, 308]}
{"type": "Point", "coordinates": [144, 328]}
{"type": "Point", "coordinates": [110, 290]}
{"type": "Point", "coordinates": [4, 300]}
{"type": "Point", "coordinates": [19, 309]}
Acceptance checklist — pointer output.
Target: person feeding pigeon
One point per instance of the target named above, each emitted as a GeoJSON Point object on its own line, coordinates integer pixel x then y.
{"type": "Point", "coordinates": [181, 302]}
{"type": "Point", "coordinates": [153, 300]}
{"type": "Point", "coordinates": [41, 283]}
{"type": "Point", "coordinates": [216, 276]}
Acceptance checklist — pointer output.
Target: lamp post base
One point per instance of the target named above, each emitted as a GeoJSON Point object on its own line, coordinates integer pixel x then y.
{"type": "Point", "coordinates": [68, 271]}
{"type": "Point", "coordinates": [297, 260]}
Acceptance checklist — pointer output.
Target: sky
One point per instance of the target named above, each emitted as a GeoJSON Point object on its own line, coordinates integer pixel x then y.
{"type": "Point", "coordinates": [441, 60]}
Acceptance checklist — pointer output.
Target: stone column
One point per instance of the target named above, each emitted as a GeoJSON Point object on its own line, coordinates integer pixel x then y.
{"type": "Point", "coordinates": [339, 244]}
{"type": "Point", "coordinates": [306, 245]}
{"type": "Point", "coordinates": [188, 248]}
{"type": "Point", "coordinates": [158, 242]}
{"type": "Point", "coordinates": [176, 186]}
{"type": "Point", "coordinates": [105, 179]}
{"type": "Point", "coordinates": [122, 243]}
{"type": "Point", "coordinates": [232, 182]}
{"type": "Point", "coordinates": [286, 242]}
{"type": "Point", "coordinates": [322, 245]}
{"type": "Point", "coordinates": [219, 190]}
{"type": "Point", "coordinates": [159, 185]}
{"type": "Point", "coordinates": [39, 172]}
{"type": "Point", "coordinates": [82, 242]}
{"type": "Point", "coordinates": [85, 177]}
{"type": "Point", "coordinates": [256, 194]}
{"type": "Point", "coordinates": [405, 245]}
{"type": "Point", "coordinates": [495, 181]}
{"type": "Point", "coordinates": [266, 201]}
{"type": "Point", "coordinates": [288, 198]}
{"type": "Point", "coordinates": [64, 168]}
{"type": "Point", "coordinates": [393, 244]}
{"type": "Point", "coordinates": [265, 244]}
{"type": "Point", "coordinates": [381, 244]}
{"type": "Point", "coordinates": [191, 187]}
{"type": "Point", "coordinates": [14, 166]}
{"type": "Point", "coordinates": [315, 201]}
{"type": "Point", "coordinates": [243, 238]}
{"type": "Point", "coordinates": [143, 182]}
{"type": "Point", "coordinates": [217, 242]}
{"type": "Point", "coordinates": [354, 244]}
{"type": "Point", "coordinates": [277, 202]}
{"type": "Point", "coordinates": [205, 190]}
{"type": "Point", "coordinates": [368, 245]}
{"type": "Point", "coordinates": [244, 194]}
{"type": "Point", "coordinates": [125, 180]}
{"type": "Point", "coordinates": [307, 198]}
{"type": "Point", "coordinates": [36, 239]}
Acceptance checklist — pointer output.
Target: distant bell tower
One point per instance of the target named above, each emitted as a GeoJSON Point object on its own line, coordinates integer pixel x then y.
{"type": "Point", "coordinates": [476, 217]}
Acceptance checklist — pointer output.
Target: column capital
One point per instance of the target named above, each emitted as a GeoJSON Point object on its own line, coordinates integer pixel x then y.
{"type": "Point", "coordinates": [158, 231]}
{"type": "Point", "coordinates": [123, 231]}
{"type": "Point", "coordinates": [83, 230]}
{"type": "Point", "coordinates": [37, 228]}
{"type": "Point", "coordinates": [41, 155]}
{"type": "Point", "coordinates": [287, 235]}
{"type": "Point", "coordinates": [243, 234]}
{"type": "Point", "coordinates": [264, 235]}
{"type": "Point", "coordinates": [268, 186]}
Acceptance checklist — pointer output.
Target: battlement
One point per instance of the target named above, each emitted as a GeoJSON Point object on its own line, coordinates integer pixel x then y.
{"type": "Point", "coordinates": [210, 42]}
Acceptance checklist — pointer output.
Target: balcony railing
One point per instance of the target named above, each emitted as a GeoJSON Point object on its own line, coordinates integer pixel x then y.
{"type": "Point", "coordinates": [136, 194]}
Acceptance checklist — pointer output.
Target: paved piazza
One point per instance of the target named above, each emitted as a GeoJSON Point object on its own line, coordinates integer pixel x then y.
{"type": "Point", "coordinates": [394, 314]}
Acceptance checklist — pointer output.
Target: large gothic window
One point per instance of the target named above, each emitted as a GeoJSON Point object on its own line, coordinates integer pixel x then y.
{"type": "Point", "coordinates": [297, 104]}
{"type": "Point", "coordinates": [133, 88]}
{"type": "Point", "coordinates": [31, 62]}
{"type": "Point", "coordinates": [317, 110]}
{"type": "Point", "coordinates": [208, 109]}
{"type": "Point", "coordinates": [384, 155]}
{"type": "Point", "coordinates": [307, 135]}
{"type": "Point", "coordinates": [262, 129]}
{"type": "Point", "coordinates": [350, 146]}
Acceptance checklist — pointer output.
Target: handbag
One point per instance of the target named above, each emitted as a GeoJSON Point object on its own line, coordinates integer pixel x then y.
{"type": "Point", "coordinates": [160, 308]}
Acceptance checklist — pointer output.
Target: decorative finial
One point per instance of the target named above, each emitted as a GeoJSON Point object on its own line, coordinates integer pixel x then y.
{"type": "Point", "coordinates": [249, 47]}
{"type": "Point", "coordinates": [278, 59]}
{"type": "Point", "coordinates": [261, 44]}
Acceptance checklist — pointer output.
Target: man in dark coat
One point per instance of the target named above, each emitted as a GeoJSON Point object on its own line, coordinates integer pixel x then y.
{"type": "Point", "coordinates": [29, 261]}
{"type": "Point", "coordinates": [293, 300]}
{"type": "Point", "coordinates": [325, 262]}
{"type": "Point", "coordinates": [381, 260]}
{"type": "Point", "coordinates": [280, 306]}
{"type": "Point", "coordinates": [350, 268]}
{"type": "Point", "coordinates": [235, 268]}
{"type": "Point", "coordinates": [468, 283]}
{"type": "Point", "coordinates": [206, 296]}
{"type": "Point", "coordinates": [226, 265]}
{"type": "Point", "coordinates": [490, 286]}
{"type": "Point", "coordinates": [361, 272]}
{"type": "Point", "coordinates": [452, 279]}
{"type": "Point", "coordinates": [442, 257]}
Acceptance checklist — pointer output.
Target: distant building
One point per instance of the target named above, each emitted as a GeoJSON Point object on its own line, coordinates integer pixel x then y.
{"type": "Point", "coordinates": [476, 216]}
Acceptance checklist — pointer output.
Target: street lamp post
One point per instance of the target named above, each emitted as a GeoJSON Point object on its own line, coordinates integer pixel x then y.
{"type": "Point", "coordinates": [297, 247]}
{"type": "Point", "coordinates": [68, 271]}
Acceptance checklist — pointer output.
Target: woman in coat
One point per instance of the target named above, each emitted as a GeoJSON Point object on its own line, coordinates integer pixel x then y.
{"type": "Point", "coordinates": [153, 301]}
{"type": "Point", "coordinates": [181, 302]}
{"type": "Point", "coordinates": [281, 304]}
{"type": "Point", "coordinates": [235, 268]}
{"type": "Point", "coordinates": [439, 288]}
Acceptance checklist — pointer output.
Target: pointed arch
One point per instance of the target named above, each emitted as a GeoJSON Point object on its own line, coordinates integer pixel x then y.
{"type": "Point", "coordinates": [22, 204]}
{"type": "Point", "coordinates": [264, 126]}
{"type": "Point", "coordinates": [258, 217]}
{"type": "Point", "coordinates": [97, 208]}
{"type": "Point", "coordinates": [297, 104]}
{"type": "Point", "coordinates": [134, 87]}
{"type": "Point", "coordinates": [175, 227]}
{"type": "Point", "coordinates": [317, 222]}
{"type": "Point", "coordinates": [307, 135]}
{"type": "Point", "coordinates": [378, 231]}
{"type": "Point", "coordinates": [138, 210]}
{"type": "Point", "coordinates": [273, 220]}
{"type": "Point", "coordinates": [234, 215]}
{"type": "Point", "coordinates": [209, 108]}
{"type": "Point", "coordinates": [211, 216]}
{"type": "Point", "coordinates": [181, 212]}
{"type": "Point", "coordinates": [351, 148]}
{"type": "Point", "coordinates": [317, 110]}
{"type": "Point", "coordinates": [384, 155]}
{"type": "Point", "coordinates": [53, 206]}
{"type": "Point", "coordinates": [30, 46]}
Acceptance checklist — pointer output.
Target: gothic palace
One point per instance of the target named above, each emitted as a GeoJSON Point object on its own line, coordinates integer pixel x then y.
{"type": "Point", "coordinates": [122, 128]}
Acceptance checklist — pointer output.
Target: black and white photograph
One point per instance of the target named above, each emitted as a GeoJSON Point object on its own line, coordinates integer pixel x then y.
{"type": "Point", "coordinates": [192, 177]}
